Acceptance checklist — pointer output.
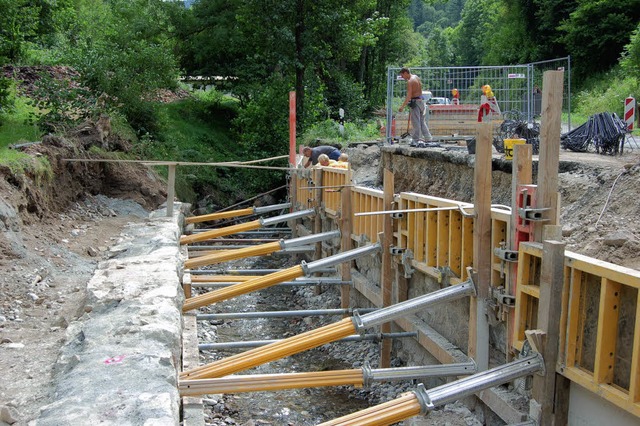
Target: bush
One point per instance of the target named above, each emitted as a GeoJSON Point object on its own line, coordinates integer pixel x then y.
{"type": "Point", "coordinates": [605, 92]}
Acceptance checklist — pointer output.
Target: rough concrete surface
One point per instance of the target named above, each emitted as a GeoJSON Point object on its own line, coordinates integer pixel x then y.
{"type": "Point", "coordinates": [120, 361]}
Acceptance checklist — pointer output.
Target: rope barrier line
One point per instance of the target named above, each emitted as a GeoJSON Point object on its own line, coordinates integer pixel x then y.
{"type": "Point", "coordinates": [218, 257]}
{"type": "Point", "coordinates": [270, 382]}
{"type": "Point", "coordinates": [175, 163]}
{"type": "Point", "coordinates": [254, 357]}
{"type": "Point", "coordinates": [214, 233]}
{"type": "Point", "coordinates": [242, 288]}
{"type": "Point", "coordinates": [218, 216]}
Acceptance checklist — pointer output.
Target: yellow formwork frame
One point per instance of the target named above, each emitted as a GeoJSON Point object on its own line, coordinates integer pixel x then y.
{"type": "Point", "coordinates": [218, 216]}
{"type": "Point", "coordinates": [281, 349]}
{"type": "Point", "coordinates": [270, 382]}
{"type": "Point", "coordinates": [223, 256]}
{"type": "Point", "coordinates": [242, 288]}
{"type": "Point", "coordinates": [401, 408]}
{"type": "Point", "coordinates": [215, 233]}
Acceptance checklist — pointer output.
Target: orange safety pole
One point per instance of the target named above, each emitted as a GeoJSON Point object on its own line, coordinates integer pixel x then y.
{"type": "Point", "coordinates": [270, 382]}
{"type": "Point", "coordinates": [220, 215]}
{"type": "Point", "coordinates": [215, 233]}
{"type": "Point", "coordinates": [281, 349]}
{"type": "Point", "coordinates": [223, 256]}
{"type": "Point", "coordinates": [404, 407]}
{"type": "Point", "coordinates": [242, 288]}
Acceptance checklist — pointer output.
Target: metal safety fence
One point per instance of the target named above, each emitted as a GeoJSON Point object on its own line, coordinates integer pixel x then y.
{"type": "Point", "coordinates": [453, 96]}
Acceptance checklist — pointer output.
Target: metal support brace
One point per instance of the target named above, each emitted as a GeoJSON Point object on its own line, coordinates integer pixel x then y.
{"type": "Point", "coordinates": [418, 372]}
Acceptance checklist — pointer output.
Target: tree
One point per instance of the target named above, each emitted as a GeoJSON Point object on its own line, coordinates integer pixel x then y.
{"type": "Point", "coordinates": [18, 22]}
{"type": "Point", "coordinates": [597, 31]}
{"type": "Point", "coordinates": [125, 49]}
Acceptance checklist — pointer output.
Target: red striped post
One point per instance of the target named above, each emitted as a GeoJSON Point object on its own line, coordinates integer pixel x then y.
{"type": "Point", "coordinates": [630, 112]}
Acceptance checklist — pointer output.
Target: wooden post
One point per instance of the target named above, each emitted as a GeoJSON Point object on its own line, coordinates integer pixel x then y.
{"type": "Point", "coordinates": [482, 252]}
{"type": "Point", "coordinates": [387, 267]}
{"type": "Point", "coordinates": [346, 221]}
{"type": "Point", "coordinates": [171, 189]}
{"type": "Point", "coordinates": [521, 174]}
{"type": "Point", "coordinates": [545, 391]}
{"type": "Point", "coordinates": [549, 159]}
{"type": "Point", "coordinates": [292, 128]}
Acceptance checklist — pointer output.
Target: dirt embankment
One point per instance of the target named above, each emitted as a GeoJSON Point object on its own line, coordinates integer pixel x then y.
{"type": "Point", "coordinates": [55, 228]}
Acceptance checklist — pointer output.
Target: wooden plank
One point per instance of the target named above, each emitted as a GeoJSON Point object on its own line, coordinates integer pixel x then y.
{"type": "Point", "coordinates": [549, 157]}
{"type": "Point", "coordinates": [346, 220]}
{"type": "Point", "coordinates": [467, 245]}
{"type": "Point", "coordinates": [455, 242]}
{"type": "Point", "coordinates": [478, 321]}
{"type": "Point", "coordinates": [621, 274]}
{"type": "Point", "coordinates": [387, 267]}
{"type": "Point", "coordinates": [549, 308]}
{"type": "Point", "coordinates": [171, 189]}
{"type": "Point", "coordinates": [442, 257]}
{"type": "Point", "coordinates": [608, 314]}
{"type": "Point", "coordinates": [432, 238]}
{"type": "Point", "coordinates": [634, 388]}
{"type": "Point", "coordinates": [573, 314]}
{"type": "Point", "coordinates": [421, 231]}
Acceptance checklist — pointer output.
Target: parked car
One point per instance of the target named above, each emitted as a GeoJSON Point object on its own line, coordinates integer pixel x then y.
{"type": "Point", "coordinates": [426, 95]}
{"type": "Point", "coordinates": [439, 101]}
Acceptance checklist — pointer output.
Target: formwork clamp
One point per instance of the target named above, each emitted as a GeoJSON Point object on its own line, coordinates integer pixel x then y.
{"type": "Point", "coordinates": [397, 251]}
{"type": "Point", "coordinates": [505, 255]}
{"type": "Point", "coordinates": [533, 215]}
{"type": "Point", "coordinates": [502, 298]}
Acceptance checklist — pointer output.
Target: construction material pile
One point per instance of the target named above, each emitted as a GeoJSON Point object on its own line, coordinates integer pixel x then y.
{"type": "Point", "coordinates": [603, 133]}
{"type": "Point", "coordinates": [518, 128]}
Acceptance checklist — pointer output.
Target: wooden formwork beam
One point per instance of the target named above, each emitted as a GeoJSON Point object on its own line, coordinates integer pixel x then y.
{"type": "Point", "coordinates": [346, 243]}
{"type": "Point", "coordinates": [549, 158]}
{"type": "Point", "coordinates": [482, 252]}
{"type": "Point", "coordinates": [549, 390]}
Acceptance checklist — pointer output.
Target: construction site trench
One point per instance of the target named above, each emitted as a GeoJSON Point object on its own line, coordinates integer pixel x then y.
{"type": "Point", "coordinates": [91, 296]}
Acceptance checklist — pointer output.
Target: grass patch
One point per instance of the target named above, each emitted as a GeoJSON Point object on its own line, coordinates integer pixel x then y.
{"type": "Point", "coordinates": [328, 132]}
{"type": "Point", "coordinates": [15, 130]}
{"type": "Point", "coordinates": [198, 130]}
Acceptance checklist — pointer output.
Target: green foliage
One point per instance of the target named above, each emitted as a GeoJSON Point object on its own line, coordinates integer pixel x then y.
{"type": "Point", "coordinates": [597, 32]}
{"type": "Point", "coordinates": [15, 127]}
{"type": "Point", "coordinates": [6, 101]}
{"type": "Point", "coordinates": [123, 49]}
{"type": "Point", "coordinates": [630, 61]}
{"type": "Point", "coordinates": [61, 104]}
{"type": "Point", "coordinates": [18, 23]}
{"type": "Point", "coordinates": [605, 92]}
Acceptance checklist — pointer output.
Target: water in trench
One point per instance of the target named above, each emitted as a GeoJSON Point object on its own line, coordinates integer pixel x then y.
{"type": "Point", "coordinates": [308, 406]}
